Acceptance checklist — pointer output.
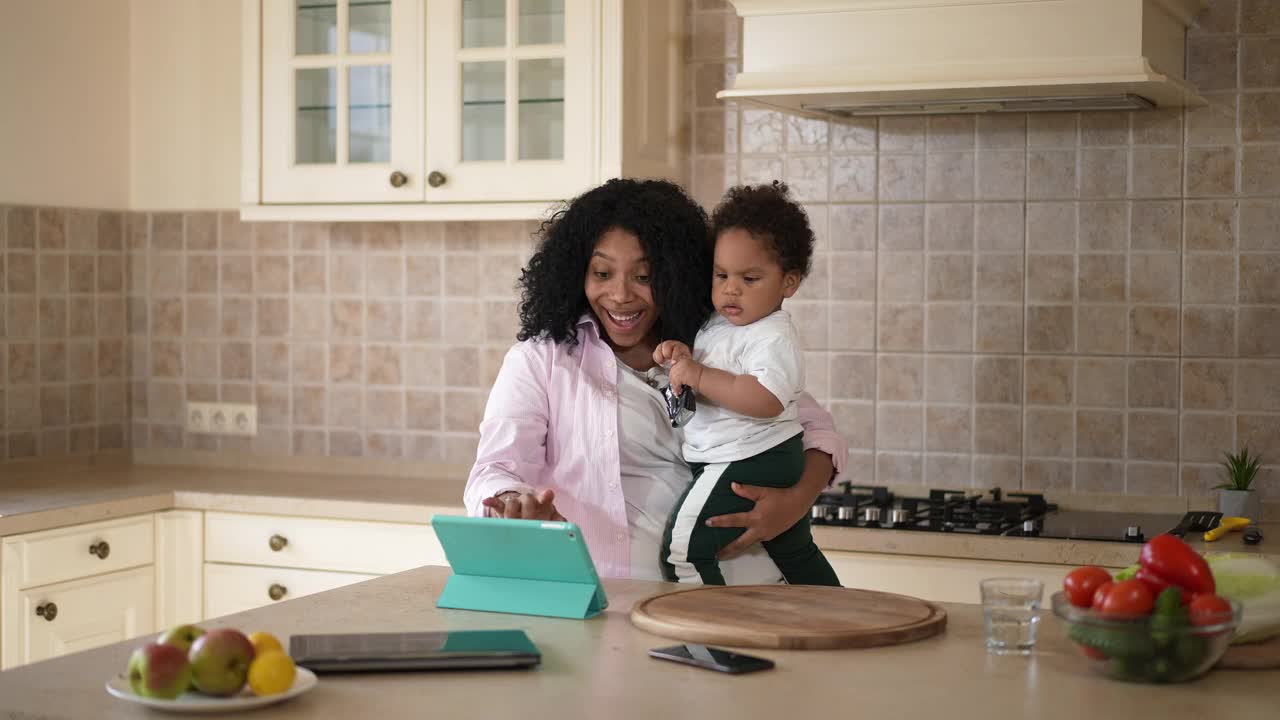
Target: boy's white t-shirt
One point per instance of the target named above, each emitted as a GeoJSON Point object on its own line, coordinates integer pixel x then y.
{"type": "Point", "coordinates": [768, 349]}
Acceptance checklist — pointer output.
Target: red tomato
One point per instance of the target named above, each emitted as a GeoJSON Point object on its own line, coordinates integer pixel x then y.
{"type": "Point", "coordinates": [1209, 609]}
{"type": "Point", "coordinates": [1100, 595]}
{"type": "Point", "coordinates": [1129, 597]}
{"type": "Point", "coordinates": [1154, 582]}
{"type": "Point", "coordinates": [1176, 563]}
{"type": "Point", "coordinates": [1093, 653]}
{"type": "Point", "coordinates": [1082, 582]}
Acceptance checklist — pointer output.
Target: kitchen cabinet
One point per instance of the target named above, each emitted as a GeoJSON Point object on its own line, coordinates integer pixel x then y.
{"type": "Point", "coordinates": [74, 588]}
{"type": "Point", "coordinates": [936, 579]}
{"type": "Point", "coordinates": [454, 109]}
{"type": "Point", "coordinates": [254, 560]}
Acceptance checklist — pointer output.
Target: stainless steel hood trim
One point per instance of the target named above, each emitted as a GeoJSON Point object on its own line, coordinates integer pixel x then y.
{"type": "Point", "coordinates": [1046, 103]}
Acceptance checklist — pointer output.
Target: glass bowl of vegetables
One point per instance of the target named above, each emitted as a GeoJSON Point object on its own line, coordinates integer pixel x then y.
{"type": "Point", "coordinates": [1174, 638]}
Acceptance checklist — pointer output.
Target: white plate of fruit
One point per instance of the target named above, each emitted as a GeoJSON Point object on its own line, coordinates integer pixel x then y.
{"type": "Point", "coordinates": [188, 669]}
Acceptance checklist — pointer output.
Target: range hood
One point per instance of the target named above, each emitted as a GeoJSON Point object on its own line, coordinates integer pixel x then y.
{"type": "Point", "coordinates": [908, 57]}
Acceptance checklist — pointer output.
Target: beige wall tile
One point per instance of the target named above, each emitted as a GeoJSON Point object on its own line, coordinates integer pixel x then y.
{"type": "Point", "coordinates": [948, 429]}
{"type": "Point", "coordinates": [901, 227]}
{"type": "Point", "coordinates": [1205, 437]}
{"type": "Point", "coordinates": [1050, 432]}
{"type": "Point", "coordinates": [423, 409]}
{"type": "Point", "coordinates": [1152, 436]}
{"type": "Point", "coordinates": [82, 317]}
{"type": "Point", "coordinates": [949, 227]}
{"type": "Point", "coordinates": [949, 176]}
{"type": "Point", "coordinates": [999, 277]}
{"type": "Point", "coordinates": [1099, 476]}
{"type": "Point", "coordinates": [853, 326]}
{"type": "Point", "coordinates": [384, 320]}
{"type": "Point", "coordinates": [308, 362]}
{"type": "Point", "coordinates": [900, 378]}
{"type": "Point", "coordinates": [309, 406]}
{"type": "Point", "coordinates": [346, 363]}
{"type": "Point", "coordinates": [53, 273]}
{"type": "Point", "coordinates": [1208, 384]}
{"type": "Point", "coordinates": [949, 277]}
{"type": "Point", "coordinates": [1208, 331]}
{"type": "Point", "coordinates": [1209, 278]}
{"type": "Point", "coordinates": [853, 227]}
{"type": "Point", "coordinates": [464, 322]}
{"type": "Point", "coordinates": [347, 318]}
{"type": "Point", "coordinates": [82, 273]}
{"type": "Point", "coordinates": [1260, 278]}
{"type": "Point", "coordinates": [853, 377]}
{"type": "Point", "coordinates": [852, 178]}
{"type": "Point", "coordinates": [346, 274]}
{"type": "Point", "coordinates": [1259, 383]}
{"type": "Point", "coordinates": [346, 443]}
{"type": "Point", "coordinates": [998, 131]}
{"type": "Point", "coordinates": [1101, 278]}
{"type": "Point", "coordinates": [1104, 172]}
{"type": "Point", "coordinates": [1151, 479]}
{"type": "Point", "coordinates": [999, 328]}
{"type": "Point", "coordinates": [1261, 433]}
{"type": "Point", "coordinates": [463, 410]}
{"type": "Point", "coordinates": [1002, 226]}
{"type": "Point", "coordinates": [1153, 384]}
{"type": "Point", "coordinates": [902, 133]}
{"type": "Point", "coordinates": [901, 277]}
{"type": "Point", "coordinates": [346, 406]}
{"type": "Point", "coordinates": [1212, 62]}
{"type": "Point", "coordinates": [1259, 174]}
{"type": "Point", "coordinates": [1153, 330]}
{"type": "Point", "coordinates": [1211, 171]}
{"type": "Point", "coordinates": [1100, 433]}
{"type": "Point", "coordinates": [856, 422]}
{"type": "Point", "coordinates": [237, 361]}
{"type": "Point", "coordinates": [383, 365]}
{"type": "Point", "coordinates": [1157, 172]}
{"type": "Point", "coordinates": [53, 317]}
{"type": "Point", "coordinates": [1047, 475]}
{"type": "Point", "coordinates": [1155, 225]}
{"type": "Point", "coordinates": [53, 362]}
{"type": "Point", "coordinates": [110, 273]}
{"type": "Point", "coordinates": [1053, 129]}
{"type": "Point", "coordinates": [1211, 225]}
{"type": "Point", "coordinates": [111, 359]}
{"type": "Point", "coordinates": [166, 359]}
{"type": "Point", "coordinates": [273, 317]}
{"type": "Point", "coordinates": [385, 409]}
{"type": "Point", "coordinates": [1050, 328]}
{"type": "Point", "coordinates": [1258, 220]}
{"type": "Point", "coordinates": [422, 320]}
{"type": "Point", "coordinates": [271, 273]}
{"type": "Point", "coordinates": [1051, 278]}
{"type": "Point", "coordinates": [1154, 277]}
{"type": "Point", "coordinates": [310, 274]}
{"type": "Point", "coordinates": [236, 274]}
{"type": "Point", "coordinates": [997, 430]}
{"type": "Point", "coordinates": [900, 427]}
{"type": "Point", "coordinates": [21, 272]}
{"type": "Point", "coordinates": [998, 380]}
{"type": "Point", "coordinates": [201, 361]}
{"type": "Point", "coordinates": [949, 327]}
{"type": "Point", "coordinates": [901, 178]}
{"type": "Point", "coordinates": [1258, 336]}
{"type": "Point", "coordinates": [1050, 381]}
{"type": "Point", "coordinates": [1051, 174]}
{"type": "Point", "coordinates": [949, 379]}
{"type": "Point", "coordinates": [901, 327]}
{"type": "Point", "coordinates": [1001, 175]}
{"type": "Point", "coordinates": [853, 276]}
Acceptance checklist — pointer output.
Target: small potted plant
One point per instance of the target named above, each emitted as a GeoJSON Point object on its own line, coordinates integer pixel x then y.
{"type": "Point", "coordinates": [1237, 499]}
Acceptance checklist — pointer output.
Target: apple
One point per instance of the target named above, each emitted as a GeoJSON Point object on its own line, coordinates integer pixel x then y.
{"type": "Point", "coordinates": [181, 636]}
{"type": "Point", "coordinates": [220, 661]}
{"type": "Point", "coordinates": [159, 671]}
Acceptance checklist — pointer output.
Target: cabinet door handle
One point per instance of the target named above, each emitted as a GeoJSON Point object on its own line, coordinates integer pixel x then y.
{"type": "Point", "coordinates": [398, 179]}
{"type": "Point", "coordinates": [436, 178]}
{"type": "Point", "coordinates": [277, 542]}
{"type": "Point", "coordinates": [277, 591]}
{"type": "Point", "coordinates": [48, 611]}
{"type": "Point", "coordinates": [101, 549]}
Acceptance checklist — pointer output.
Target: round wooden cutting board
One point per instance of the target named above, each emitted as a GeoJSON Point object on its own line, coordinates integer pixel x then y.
{"type": "Point", "coordinates": [789, 617]}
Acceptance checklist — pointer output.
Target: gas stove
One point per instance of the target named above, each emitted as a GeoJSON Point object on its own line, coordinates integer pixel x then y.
{"type": "Point", "coordinates": [995, 512]}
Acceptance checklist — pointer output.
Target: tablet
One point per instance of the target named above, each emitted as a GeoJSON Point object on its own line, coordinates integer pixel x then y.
{"type": "Point", "coordinates": [455, 650]}
{"type": "Point", "coordinates": [531, 567]}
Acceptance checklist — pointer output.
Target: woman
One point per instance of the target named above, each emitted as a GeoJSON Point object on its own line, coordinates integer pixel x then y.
{"type": "Point", "coordinates": [575, 427]}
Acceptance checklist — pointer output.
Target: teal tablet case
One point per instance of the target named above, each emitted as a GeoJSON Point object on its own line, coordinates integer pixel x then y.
{"type": "Point", "coordinates": [528, 567]}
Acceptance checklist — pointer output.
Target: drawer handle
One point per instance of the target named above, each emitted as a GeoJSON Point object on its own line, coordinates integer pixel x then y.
{"type": "Point", "coordinates": [101, 549]}
{"type": "Point", "coordinates": [277, 591]}
{"type": "Point", "coordinates": [398, 179]}
{"type": "Point", "coordinates": [277, 542]}
{"type": "Point", "coordinates": [48, 611]}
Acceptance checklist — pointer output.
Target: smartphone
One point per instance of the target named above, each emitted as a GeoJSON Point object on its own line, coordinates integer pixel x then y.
{"type": "Point", "coordinates": [712, 658]}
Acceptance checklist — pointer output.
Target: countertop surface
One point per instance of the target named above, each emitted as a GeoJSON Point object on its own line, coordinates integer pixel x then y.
{"type": "Point", "coordinates": [598, 668]}
{"type": "Point", "coordinates": [38, 498]}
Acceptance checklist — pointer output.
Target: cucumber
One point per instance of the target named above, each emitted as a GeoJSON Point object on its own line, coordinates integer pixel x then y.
{"type": "Point", "coordinates": [1167, 618]}
{"type": "Point", "coordinates": [1115, 642]}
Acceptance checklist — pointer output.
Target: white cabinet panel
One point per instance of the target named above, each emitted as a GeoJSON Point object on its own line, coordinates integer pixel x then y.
{"type": "Point", "coordinates": [179, 563]}
{"type": "Point", "coordinates": [935, 579]}
{"type": "Point", "coordinates": [79, 615]}
{"type": "Point", "coordinates": [235, 588]}
{"type": "Point", "coordinates": [320, 544]}
{"type": "Point", "coordinates": [61, 554]}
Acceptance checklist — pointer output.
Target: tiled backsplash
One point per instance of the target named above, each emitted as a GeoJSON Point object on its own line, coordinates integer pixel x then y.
{"type": "Point", "coordinates": [1085, 302]}
{"type": "Point", "coordinates": [1060, 301]}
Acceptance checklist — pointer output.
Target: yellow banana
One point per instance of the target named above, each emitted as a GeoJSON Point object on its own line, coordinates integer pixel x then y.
{"type": "Point", "coordinates": [1226, 525]}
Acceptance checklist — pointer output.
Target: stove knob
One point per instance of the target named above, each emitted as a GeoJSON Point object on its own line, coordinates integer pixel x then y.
{"type": "Point", "coordinates": [1028, 527]}
{"type": "Point", "coordinates": [1133, 532]}
{"type": "Point", "coordinates": [818, 512]}
{"type": "Point", "coordinates": [845, 513]}
{"type": "Point", "coordinates": [871, 514]}
{"type": "Point", "coordinates": [898, 516]}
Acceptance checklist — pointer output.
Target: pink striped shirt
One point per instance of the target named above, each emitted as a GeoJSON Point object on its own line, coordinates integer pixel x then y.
{"type": "Point", "coordinates": [552, 422]}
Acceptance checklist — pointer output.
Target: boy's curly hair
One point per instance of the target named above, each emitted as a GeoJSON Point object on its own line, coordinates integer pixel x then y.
{"type": "Point", "coordinates": [673, 232]}
{"type": "Point", "coordinates": [773, 218]}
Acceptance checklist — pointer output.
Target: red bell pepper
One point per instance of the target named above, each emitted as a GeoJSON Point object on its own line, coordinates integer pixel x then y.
{"type": "Point", "coordinates": [1166, 560]}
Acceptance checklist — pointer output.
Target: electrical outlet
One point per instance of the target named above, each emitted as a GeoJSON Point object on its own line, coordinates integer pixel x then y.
{"type": "Point", "coordinates": [222, 418]}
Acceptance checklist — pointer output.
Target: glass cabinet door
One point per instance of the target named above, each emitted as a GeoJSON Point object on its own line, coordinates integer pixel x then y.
{"type": "Point", "coordinates": [509, 92]}
{"type": "Point", "coordinates": [341, 101]}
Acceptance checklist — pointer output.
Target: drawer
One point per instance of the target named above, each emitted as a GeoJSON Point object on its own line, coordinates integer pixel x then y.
{"type": "Point", "coordinates": [51, 556]}
{"type": "Point", "coordinates": [319, 544]}
{"type": "Point", "coordinates": [235, 588]}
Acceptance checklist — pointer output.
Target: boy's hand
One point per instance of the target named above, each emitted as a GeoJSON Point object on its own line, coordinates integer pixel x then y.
{"type": "Point", "coordinates": [671, 351]}
{"type": "Point", "coordinates": [685, 373]}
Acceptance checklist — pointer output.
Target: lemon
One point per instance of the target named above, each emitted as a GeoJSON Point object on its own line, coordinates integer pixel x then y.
{"type": "Point", "coordinates": [264, 642]}
{"type": "Point", "coordinates": [271, 673]}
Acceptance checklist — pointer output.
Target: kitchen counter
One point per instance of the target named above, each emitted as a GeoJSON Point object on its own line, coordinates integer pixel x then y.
{"type": "Point", "coordinates": [35, 497]}
{"type": "Point", "coordinates": [598, 668]}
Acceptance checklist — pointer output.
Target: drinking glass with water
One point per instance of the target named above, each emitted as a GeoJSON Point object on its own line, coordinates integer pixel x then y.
{"type": "Point", "coordinates": [1010, 613]}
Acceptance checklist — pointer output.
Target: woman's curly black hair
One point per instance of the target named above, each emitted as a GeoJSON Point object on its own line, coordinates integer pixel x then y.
{"type": "Point", "coordinates": [769, 214]}
{"type": "Point", "coordinates": [673, 232]}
